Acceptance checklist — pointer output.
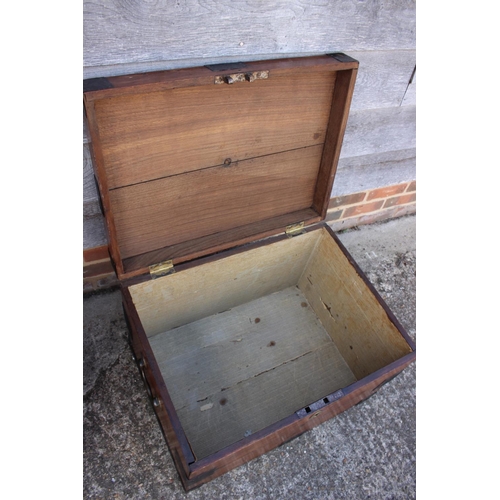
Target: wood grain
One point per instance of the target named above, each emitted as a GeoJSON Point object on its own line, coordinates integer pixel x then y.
{"type": "Point", "coordinates": [115, 33]}
{"type": "Point", "coordinates": [337, 121]}
{"type": "Point", "coordinates": [410, 96]}
{"type": "Point", "coordinates": [200, 291]}
{"type": "Point", "coordinates": [91, 204]}
{"type": "Point", "coordinates": [246, 368]}
{"type": "Point", "coordinates": [171, 426]}
{"type": "Point", "coordinates": [349, 311]}
{"type": "Point", "coordinates": [202, 316]}
{"type": "Point", "coordinates": [373, 131]}
{"type": "Point", "coordinates": [180, 208]}
{"type": "Point", "coordinates": [359, 173]}
{"type": "Point", "coordinates": [153, 135]}
{"type": "Point", "coordinates": [383, 78]}
{"type": "Point", "coordinates": [286, 429]}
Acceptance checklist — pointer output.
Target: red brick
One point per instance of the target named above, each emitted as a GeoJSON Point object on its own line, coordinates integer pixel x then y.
{"type": "Point", "coordinates": [387, 191]}
{"type": "Point", "coordinates": [363, 209]}
{"type": "Point", "coordinates": [96, 253]}
{"type": "Point", "coordinates": [412, 186]}
{"type": "Point", "coordinates": [98, 269]}
{"type": "Point", "coordinates": [380, 215]}
{"type": "Point", "coordinates": [400, 200]}
{"type": "Point", "coordinates": [348, 199]}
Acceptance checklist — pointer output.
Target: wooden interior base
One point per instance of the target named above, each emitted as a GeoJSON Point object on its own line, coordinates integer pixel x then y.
{"type": "Point", "coordinates": [251, 338]}
{"type": "Point", "coordinates": [236, 372]}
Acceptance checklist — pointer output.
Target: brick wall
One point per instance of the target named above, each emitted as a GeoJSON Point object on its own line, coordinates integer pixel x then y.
{"type": "Point", "coordinates": [372, 205]}
{"type": "Point", "coordinates": [344, 212]}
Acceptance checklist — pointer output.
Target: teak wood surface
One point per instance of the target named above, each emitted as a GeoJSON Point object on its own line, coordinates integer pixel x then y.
{"type": "Point", "coordinates": [187, 167]}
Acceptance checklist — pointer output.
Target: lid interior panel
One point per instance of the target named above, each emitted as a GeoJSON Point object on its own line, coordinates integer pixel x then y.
{"type": "Point", "coordinates": [179, 208]}
{"type": "Point", "coordinates": [188, 167]}
{"type": "Point", "coordinates": [153, 135]}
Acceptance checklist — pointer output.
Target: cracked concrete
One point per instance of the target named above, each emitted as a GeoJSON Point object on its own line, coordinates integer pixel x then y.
{"type": "Point", "coordinates": [366, 452]}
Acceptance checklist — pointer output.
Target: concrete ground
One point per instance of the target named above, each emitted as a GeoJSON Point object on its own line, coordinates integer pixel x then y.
{"type": "Point", "coordinates": [368, 451]}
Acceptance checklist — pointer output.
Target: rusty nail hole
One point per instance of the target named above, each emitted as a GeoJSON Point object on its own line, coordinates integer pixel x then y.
{"type": "Point", "coordinates": [257, 320]}
{"type": "Point", "coordinates": [223, 401]}
{"type": "Point", "coordinates": [227, 161]}
{"type": "Point", "coordinates": [303, 304]}
{"type": "Point", "coordinates": [271, 344]}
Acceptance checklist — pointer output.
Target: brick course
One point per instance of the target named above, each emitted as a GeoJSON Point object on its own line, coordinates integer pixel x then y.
{"type": "Point", "coordinates": [385, 192]}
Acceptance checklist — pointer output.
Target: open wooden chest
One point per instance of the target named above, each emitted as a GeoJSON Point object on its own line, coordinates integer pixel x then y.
{"type": "Point", "coordinates": [249, 320]}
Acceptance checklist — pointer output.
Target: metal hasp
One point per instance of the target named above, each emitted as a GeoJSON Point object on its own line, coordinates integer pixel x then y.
{"type": "Point", "coordinates": [316, 406]}
{"type": "Point", "coordinates": [242, 77]}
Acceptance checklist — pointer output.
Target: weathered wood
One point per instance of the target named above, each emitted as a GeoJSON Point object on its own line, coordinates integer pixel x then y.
{"type": "Point", "coordinates": [256, 386]}
{"type": "Point", "coordinates": [89, 186]}
{"type": "Point", "coordinates": [171, 426]}
{"type": "Point", "coordinates": [382, 82]}
{"type": "Point", "coordinates": [349, 311]}
{"type": "Point", "coordinates": [115, 33]}
{"type": "Point", "coordinates": [383, 78]}
{"type": "Point", "coordinates": [410, 97]}
{"type": "Point", "coordinates": [197, 292]}
{"type": "Point", "coordinates": [373, 131]}
{"type": "Point", "coordinates": [94, 232]}
{"type": "Point", "coordinates": [102, 185]}
{"type": "Point", "coordinates": [239, 371]}
{"type": "Point", "coordinates": [281, 432]}
{"type": "Point", "coordinates": [359, 173]}
{"type": "Point", "coordinates": [193, 249]}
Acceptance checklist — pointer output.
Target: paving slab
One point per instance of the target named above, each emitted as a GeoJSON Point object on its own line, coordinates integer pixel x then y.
{"type": "Point", "coordinates": [367, 452]}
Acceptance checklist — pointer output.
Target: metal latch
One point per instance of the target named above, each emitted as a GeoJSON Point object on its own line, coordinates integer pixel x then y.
{"type": "Point", "coordinates": [161, 269]}
{"type": "Point", "coordinates": [242, 77]}
{"type": "Point", "coordinates": [314, 409]}
{"type": "Point", "coordinates": [294, 229]}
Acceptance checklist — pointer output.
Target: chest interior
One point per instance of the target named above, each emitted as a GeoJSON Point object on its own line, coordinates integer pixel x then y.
{"type": "Point", "coordinates": [247, 340]}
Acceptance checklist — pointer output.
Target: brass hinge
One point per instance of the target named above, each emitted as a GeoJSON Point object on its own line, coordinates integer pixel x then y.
{"type": "Point", "coordinates": [294, 229]}
{"type": "Point", "coordinates": [161, 269]}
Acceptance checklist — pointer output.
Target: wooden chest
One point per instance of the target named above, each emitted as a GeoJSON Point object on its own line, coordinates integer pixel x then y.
{"type": "Point", "coordinates": [249, 320]}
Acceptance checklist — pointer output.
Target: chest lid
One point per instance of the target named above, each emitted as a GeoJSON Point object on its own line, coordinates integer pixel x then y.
{"type": "Point", "coordinates": [193, 161]}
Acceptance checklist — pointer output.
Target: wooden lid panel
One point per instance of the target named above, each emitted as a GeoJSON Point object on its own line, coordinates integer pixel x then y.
{"type": "Point", "coordinates": [184, 207]}
{"type": "Point", "coordinates": [158, 134]}
{"type": "Point", "coordinates": [187, 165]}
